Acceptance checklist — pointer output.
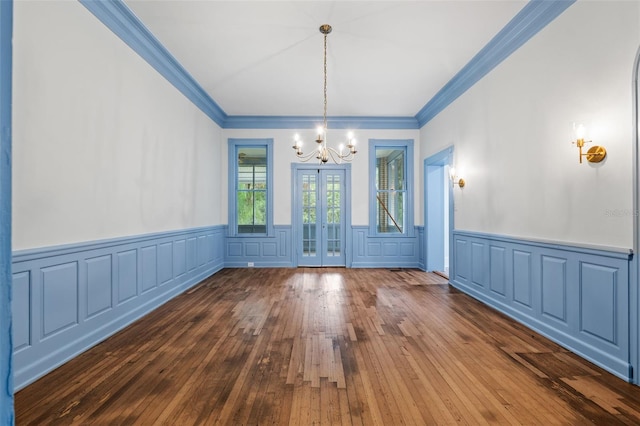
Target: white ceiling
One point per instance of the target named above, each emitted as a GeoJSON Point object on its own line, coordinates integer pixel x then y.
{"type": "Point", "coordinates": [385, 58]}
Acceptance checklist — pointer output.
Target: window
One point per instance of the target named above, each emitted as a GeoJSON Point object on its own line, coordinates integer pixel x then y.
{"type": "Point", "coordinates": [391, 185]}
{"type": "Point", "coordinates": [250, 183]}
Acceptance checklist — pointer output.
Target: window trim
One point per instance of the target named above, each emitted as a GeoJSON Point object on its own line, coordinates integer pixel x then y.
{"type": "Point", "coordinates": [407, 144]}
{"type": "Point", "coordinates": [233, 145]}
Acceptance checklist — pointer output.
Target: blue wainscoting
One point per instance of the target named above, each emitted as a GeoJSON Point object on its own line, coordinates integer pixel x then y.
{"type": "Point", "coordinates": [368, 252]}
{"type": "Point", "coordinates": [385, 251]}
{"type": "Point", "coordinates": [68, 298]}
{"type": "Point", "coordinates": [264, 251]}
{"type": "Point", "coordinates": [578, 297]}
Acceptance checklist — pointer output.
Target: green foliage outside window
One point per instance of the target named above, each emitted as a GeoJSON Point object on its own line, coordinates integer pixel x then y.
{"type": "Point", "coordinates": [251, 192]}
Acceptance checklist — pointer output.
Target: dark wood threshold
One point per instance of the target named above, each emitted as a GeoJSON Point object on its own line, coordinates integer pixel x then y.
{"type": "Point", "coordinates": [442, 274]}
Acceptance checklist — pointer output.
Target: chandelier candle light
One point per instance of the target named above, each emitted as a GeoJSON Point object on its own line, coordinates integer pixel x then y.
{"type": "Point", "coordinates": [324, 152]}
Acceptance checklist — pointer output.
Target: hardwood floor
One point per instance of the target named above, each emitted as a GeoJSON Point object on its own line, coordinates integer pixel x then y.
{"type": "Point", "coordinates": [327, 346]}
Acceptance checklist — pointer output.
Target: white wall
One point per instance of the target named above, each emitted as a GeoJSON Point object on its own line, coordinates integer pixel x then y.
{"type": "Point", "coordinates": [285, 155]}
{"type": "Point", "coordinates": [511, 133]}
{"type": "Point", "coordinates": [103, 145]}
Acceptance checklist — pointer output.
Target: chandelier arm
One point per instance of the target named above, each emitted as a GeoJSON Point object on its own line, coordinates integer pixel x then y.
{"type": "Point", "coordinates": [348, 157]}
{"type": "Point", "coordinates": [333, 153]}
{"type": "Point", "coordinates": [341, 157]}
{"type": "Point", "coordinates": [306, 157]}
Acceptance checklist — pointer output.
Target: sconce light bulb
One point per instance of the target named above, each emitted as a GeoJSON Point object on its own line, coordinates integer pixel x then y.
{"type": "Point", "coordinates": [580, 130]}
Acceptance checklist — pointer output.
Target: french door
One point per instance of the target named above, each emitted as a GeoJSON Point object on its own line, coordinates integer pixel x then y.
{"type": "Point", "coordinates": [319, 206]}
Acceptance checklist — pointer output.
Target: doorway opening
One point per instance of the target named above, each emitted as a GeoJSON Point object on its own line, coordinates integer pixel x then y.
{"type": "Point", "coordinates": [634, 308]}
{"type": "Point", "coordinates": [438, 212]}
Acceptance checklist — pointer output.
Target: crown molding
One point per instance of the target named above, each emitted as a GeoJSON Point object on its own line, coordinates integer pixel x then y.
{"type": "Point", "coordinates": [529, 21]}
{"type": "Point", "coordinates": [122, 21]}
{"type": "Point", "coordinates": [116, 16]}
{"type": "Point", "coordinates": [311, 122]}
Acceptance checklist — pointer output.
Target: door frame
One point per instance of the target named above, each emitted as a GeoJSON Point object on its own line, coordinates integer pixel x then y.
{"type": "Point", "coordinates": [440, 159]}
{"type": "Point", "coordinates": [347, 207]}
{"type": "Point", "coordinates": [6, 343]}
{"type": "Point", "coordinates": [634, 276]}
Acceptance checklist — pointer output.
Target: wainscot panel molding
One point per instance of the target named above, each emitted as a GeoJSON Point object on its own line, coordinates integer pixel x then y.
{"type": "Point", "coordinates": [386, 251]}
{"type": "Point", "coordinates": [576, 296]}
{"type": "Point", "coordinates": [67, 299]}
{"type": "Point", "coordinates": [262, 251]}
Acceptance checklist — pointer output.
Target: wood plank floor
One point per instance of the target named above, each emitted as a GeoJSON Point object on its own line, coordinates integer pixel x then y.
{"type": "Point", "coordinates": [327, 346]}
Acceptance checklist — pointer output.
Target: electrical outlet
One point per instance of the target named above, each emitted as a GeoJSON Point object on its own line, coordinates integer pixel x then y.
{"type": "Point", "coordinates": [250, 264]}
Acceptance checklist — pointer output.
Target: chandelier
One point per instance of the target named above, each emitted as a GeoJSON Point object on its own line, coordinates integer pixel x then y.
{"type": "Point", "coordinates": [324, 152]}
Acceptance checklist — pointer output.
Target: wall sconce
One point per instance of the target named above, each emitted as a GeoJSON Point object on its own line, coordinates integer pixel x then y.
{"type": "Point", "coordinates": [596, 153]}
{"type": "Point", "coordinates": [455, 180]}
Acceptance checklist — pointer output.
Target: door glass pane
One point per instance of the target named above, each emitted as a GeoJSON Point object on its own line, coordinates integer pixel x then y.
{"type": "Point", "coordinates": [333, 215]}
{"type": "Point", "coordinates": [309, 232]}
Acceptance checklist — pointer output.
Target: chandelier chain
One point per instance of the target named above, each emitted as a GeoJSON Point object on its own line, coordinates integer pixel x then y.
{"type": "Point", "coordinates": [325, 83]}
{"type": "Point", "coordinates": [325, 153]}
